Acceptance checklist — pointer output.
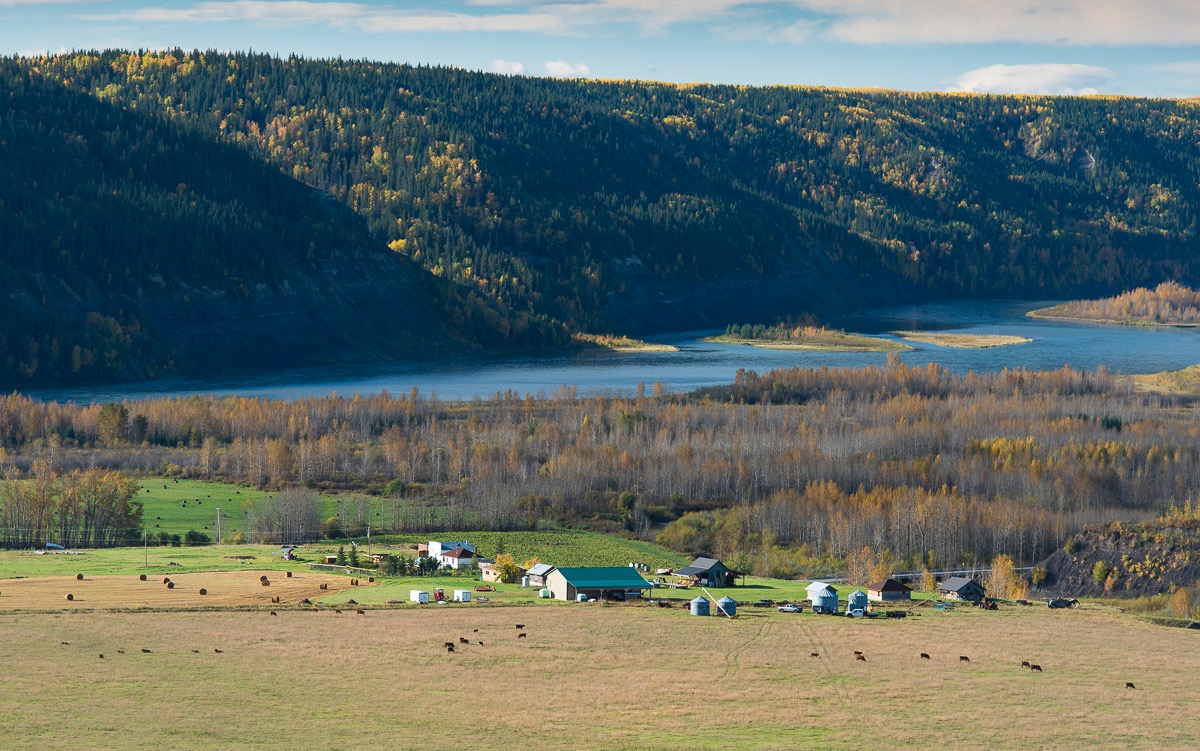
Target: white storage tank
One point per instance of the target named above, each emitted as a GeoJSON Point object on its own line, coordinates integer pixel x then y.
{"type": "Point", "coordinates": [462, 595]}
{"type": "Point", "coordinates": [416, 595]}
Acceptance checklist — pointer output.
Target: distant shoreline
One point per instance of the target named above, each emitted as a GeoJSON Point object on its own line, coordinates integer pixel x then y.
{"type": "Point", "coordinates": [1043, 315]}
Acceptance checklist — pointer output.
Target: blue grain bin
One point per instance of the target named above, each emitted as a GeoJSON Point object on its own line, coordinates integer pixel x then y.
{"type": "Point", "coordinates": [727, 604]}
{"type": "Point", "coordinates": [856, 601]}
{"type": "Point", "coordinates": [699, 606]}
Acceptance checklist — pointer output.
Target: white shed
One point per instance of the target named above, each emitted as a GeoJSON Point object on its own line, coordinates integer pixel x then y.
{"type": "Point", "coordinates": [462, 595]}
{"type": "Point", "coordinates": [416, 595]}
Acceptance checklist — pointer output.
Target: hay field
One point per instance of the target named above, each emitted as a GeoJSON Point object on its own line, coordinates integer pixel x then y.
{"type": "Point", "coordinates": [593, 677]}
{"type": "Point", "coordinates": [223, 589]}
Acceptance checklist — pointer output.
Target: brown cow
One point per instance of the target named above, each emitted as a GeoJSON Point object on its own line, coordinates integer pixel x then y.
{"type": "Point", "coordinates": [461, 640]}
{"type": "Point", "coordinates": [860, 657]}
{"type": "Point", "coordinates": [1024, 663]}
{"type": "Point", "coordinates": [1130, 685]}
{"type": "Point", "coordinates": [814, 654]}
{"type": "Point", "coordinates": [448, 645]}
{"type": "Point", "coordinates": [1036, 668]}
{"type": "Point", "coordinates": [522, 635]}
{"type": "Point", "coordinates": [925, 656]}
{"type": "Point", "coordinates": [964, 658]}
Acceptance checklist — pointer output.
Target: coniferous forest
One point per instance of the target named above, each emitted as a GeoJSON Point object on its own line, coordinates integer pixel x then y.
{"type": "Point", "coordinates": [152, 203]}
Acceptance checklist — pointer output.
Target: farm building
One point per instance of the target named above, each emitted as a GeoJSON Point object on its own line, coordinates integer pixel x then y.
{"type": "Point", "coordinates": [961, 588]}
{"type": "Point", "coordinates": [708, 572]}
{"type": "Point", "coordinates": [490, 573]}
{"type": "Point", "coordinates": [436, 549]}
{"type": "Point", "coordinates": [615, 582]}
{"type": "Point", "coordinates": [889, 590]}
{"type": "Point", "coordinates": [823, 596]}
{"type": "Point", "coordinates": [538, 574]}
{"type": "Point", "coordinates": [856, 603]}
{"type": "Point", "coordinates": [457, 558]}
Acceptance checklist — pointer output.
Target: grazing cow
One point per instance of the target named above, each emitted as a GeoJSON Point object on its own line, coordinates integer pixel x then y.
{"type": "Point", "coordinates": [1036, 668]}
{"type": "Point", "coordinates": [474, 631]}
{"type": "Point", "coordinates": [338, 612]}
{"type": "Point", "coordinates": [461, 640]}
{"type": "Point", "coordinates": [860, 657]}
{"type": "Point", "coordinates": [120, 651]}
{"type": "Point", "coordinates": [1024, 663]}
{"type": "Point", "coordinates": [520, 626]}
{"type": "Point", "coordinates": [63, 642]}
{"type": "Point", "coordinates": [857, 653]}
{"type": "Point", "coordinates": [1130, 685]}
{"type": "Point", "coordinates": [219, 651]}
{"type": "Point", "coordinates": [195, 651]}
{"type": "Point", "coordinates": [814, 654]}
{"type": "Point", "coordinates": [145, 651]}
{"type": "Point", "coordinates": [274, 613]}
{"type": "Point", "coordinates": [925, 656]}
{"type": "Point", "coordinates": [481, 644]}
{"type": "Point", "coordinates": [361, 611]}
{"type": "Point", "coordinates": [450, 648]}
{"type": "Point", "coordinates": [964, 658]}
{"type": "Point", "coordinates": [522, 635]}
{"type": "Point", "coordinates": [101, 657]}
{"type": "Point", "coordinates": [448, 644]}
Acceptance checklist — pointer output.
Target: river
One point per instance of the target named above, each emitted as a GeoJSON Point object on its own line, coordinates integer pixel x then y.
{"type": "Point", "coordinates": [1123, 349]}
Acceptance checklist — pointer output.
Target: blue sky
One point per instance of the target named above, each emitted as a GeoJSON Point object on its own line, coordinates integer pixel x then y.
{"type": "Point", "coordinates": [1135, 47]}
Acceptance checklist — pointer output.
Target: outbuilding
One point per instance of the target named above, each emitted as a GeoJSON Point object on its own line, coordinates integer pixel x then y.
{"type": "Point", "coordinates": [823, 596]}
{"type": "Point", "coordinates": [856, 603]}
{"type": "Point", "coordinates": [538, 573]}
{"type": "Point", "coordinates": [709, 572]}
{"type": "Point", "coordinates": [613, 582]}
{"type": "Point", "coordinates": [961, 588]}
{"type": "Point", "coordinates": [889, 590]}
{"type": "Point", "coordinates": [489, 572]}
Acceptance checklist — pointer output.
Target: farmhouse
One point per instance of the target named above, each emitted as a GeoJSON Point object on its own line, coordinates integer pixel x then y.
{"type": "Point", "coordinates": [709, 572]}
{"type": "Point", "coordinates": [436, 549]}
{"type": "Point", "coordinates": [961, 588]}
{"type": "Point", "coordinates": [457, 558]}
{"type": "Point", "coordinates": [614, 583]}
{"type": "Point", "coordinates": [889, 590]}
{"type": "Point", "coordinates": [537, 574]}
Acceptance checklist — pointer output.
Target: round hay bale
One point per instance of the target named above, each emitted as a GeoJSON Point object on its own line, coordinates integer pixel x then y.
{"type": "Point", "coordinates": [70, 597]}
{"type": "Point", "coordinates": [266, 582]}
{"type": "Point", "coordinates": [289, 574]}
{"type": "Point", "coordinates": [79, 577]}
{"type": "Point", "coordinates": [170, 585]}
{"type": "Point", "coordinates": [166, 580]}
{"type": "Point", "coordinates": [263, 578]}
{"type": "Point", "coordinates": [142, 578]}
{"type": "Point", "coordinates": [203, 591]}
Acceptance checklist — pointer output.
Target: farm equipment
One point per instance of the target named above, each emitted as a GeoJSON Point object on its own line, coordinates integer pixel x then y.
{"type": "Point", "coordinates": [1056, 603]}
{"type": "Point", "coordinates": [439, 595]}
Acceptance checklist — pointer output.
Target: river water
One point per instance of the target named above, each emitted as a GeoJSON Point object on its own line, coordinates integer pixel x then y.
{"type": "Point", "coordinates": [1123, 349]}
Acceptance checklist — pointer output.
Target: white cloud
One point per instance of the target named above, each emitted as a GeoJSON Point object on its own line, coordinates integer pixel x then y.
{"type": "Point", "coordinates": [563, 69]}
{"type": "Point", "coordinates": [1074, 22]}
{"type": "Point", "coordinates": [1041, 78]}
{"type": "Point", "coordinates": [507, 67]}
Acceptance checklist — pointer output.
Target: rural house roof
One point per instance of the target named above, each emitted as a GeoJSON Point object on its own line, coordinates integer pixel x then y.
{"type": "Point", "coordinates": [889, 585]}
{"type": "Point", "coordinates": [604, 577]}
{"type": "Point", "coordinates": [818, 586]}
{"type": "Point", "coordinates": [702, 566]}
{"type": "Point", "coordinates": [458, 553]}
{"type": "Point", "coordinates": [540, 569]}
{"type": "Point", "coordinates": [449, 545]}
{"type": "Point", "coordinates": [956, 584]}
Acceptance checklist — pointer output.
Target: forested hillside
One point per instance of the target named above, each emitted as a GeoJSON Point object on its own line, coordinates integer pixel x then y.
{"type": "Point", "coordinates": [628, 206]}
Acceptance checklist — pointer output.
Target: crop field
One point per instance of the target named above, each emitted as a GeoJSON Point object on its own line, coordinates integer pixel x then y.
{"type": "Point", "coordinates": [594, 677]}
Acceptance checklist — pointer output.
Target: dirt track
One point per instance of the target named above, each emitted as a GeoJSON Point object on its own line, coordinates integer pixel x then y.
{"type": "Point", "coordinates": [226, 588]}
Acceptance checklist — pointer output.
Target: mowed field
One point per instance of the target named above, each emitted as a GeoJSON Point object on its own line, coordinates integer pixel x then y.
{"type": "Point", "coordinates": [221, 589]}
{"type": "Point", "coordinates": [594, 677]}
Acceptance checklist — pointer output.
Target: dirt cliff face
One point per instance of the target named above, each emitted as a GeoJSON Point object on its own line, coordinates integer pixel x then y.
{"type": "Point", "coordinates": [1125, 560]}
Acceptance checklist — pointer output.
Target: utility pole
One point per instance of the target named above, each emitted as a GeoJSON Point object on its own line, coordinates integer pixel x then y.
{"type": "Point", "coordinates": [368, 539]}
{"type": "Point", "coordinates": [218, 525]}
{"type": "Point", "coordinates": [145, 547]}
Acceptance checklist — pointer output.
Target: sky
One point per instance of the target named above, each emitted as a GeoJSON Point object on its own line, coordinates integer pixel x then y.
{"type": "Point", "coordinates": [1128, 47]}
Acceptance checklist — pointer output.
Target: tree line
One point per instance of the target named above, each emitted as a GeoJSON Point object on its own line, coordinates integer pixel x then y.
{"type": "Point", "coordinates": [807, 465]}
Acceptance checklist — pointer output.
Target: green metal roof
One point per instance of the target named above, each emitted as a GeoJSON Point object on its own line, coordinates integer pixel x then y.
{"type": "Point", "coordinates": [608, 577]}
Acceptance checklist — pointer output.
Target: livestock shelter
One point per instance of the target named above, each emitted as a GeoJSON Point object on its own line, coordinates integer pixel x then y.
{"type": "Point", "coordinates": [889, 590]}
{"type": "Point", "coordinates": [709, 572]}
{"type": "Point", "coordinates": [961, 588]}
{"type": "Point", "coordinates": [823, 596]}
{"type": "Point", "coordinates": [596, 582]}
{"type": "Point", "coordinates": [538, 573]}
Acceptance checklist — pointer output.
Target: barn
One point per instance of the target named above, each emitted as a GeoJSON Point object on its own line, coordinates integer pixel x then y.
{"type": "Point", "coordinates": [709, 572]}
{"type": "Point", "coordinates": [599, 583]}
{"type": "Point", "coordinates": [823, 596]}
{"type": "Point", "coordinates": [889, 590]}
{"type": "Point", "coordinates": [961, 588]}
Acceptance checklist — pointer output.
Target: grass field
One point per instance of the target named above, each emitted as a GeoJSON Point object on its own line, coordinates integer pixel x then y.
{"type": "Point", "coordinates": [594, 677]}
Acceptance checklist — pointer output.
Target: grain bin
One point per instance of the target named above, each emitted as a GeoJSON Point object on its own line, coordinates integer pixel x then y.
{"type": "Point", "coordinates": [728, 605]}
{"type": "Point", "coordinates": [856, 603]}
{"type": "Point", "coordinates": [699, 606]}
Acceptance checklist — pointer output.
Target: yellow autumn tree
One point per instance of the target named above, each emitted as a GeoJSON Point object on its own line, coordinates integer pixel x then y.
{"type": "Point", "coordinates": [1004, 581]}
